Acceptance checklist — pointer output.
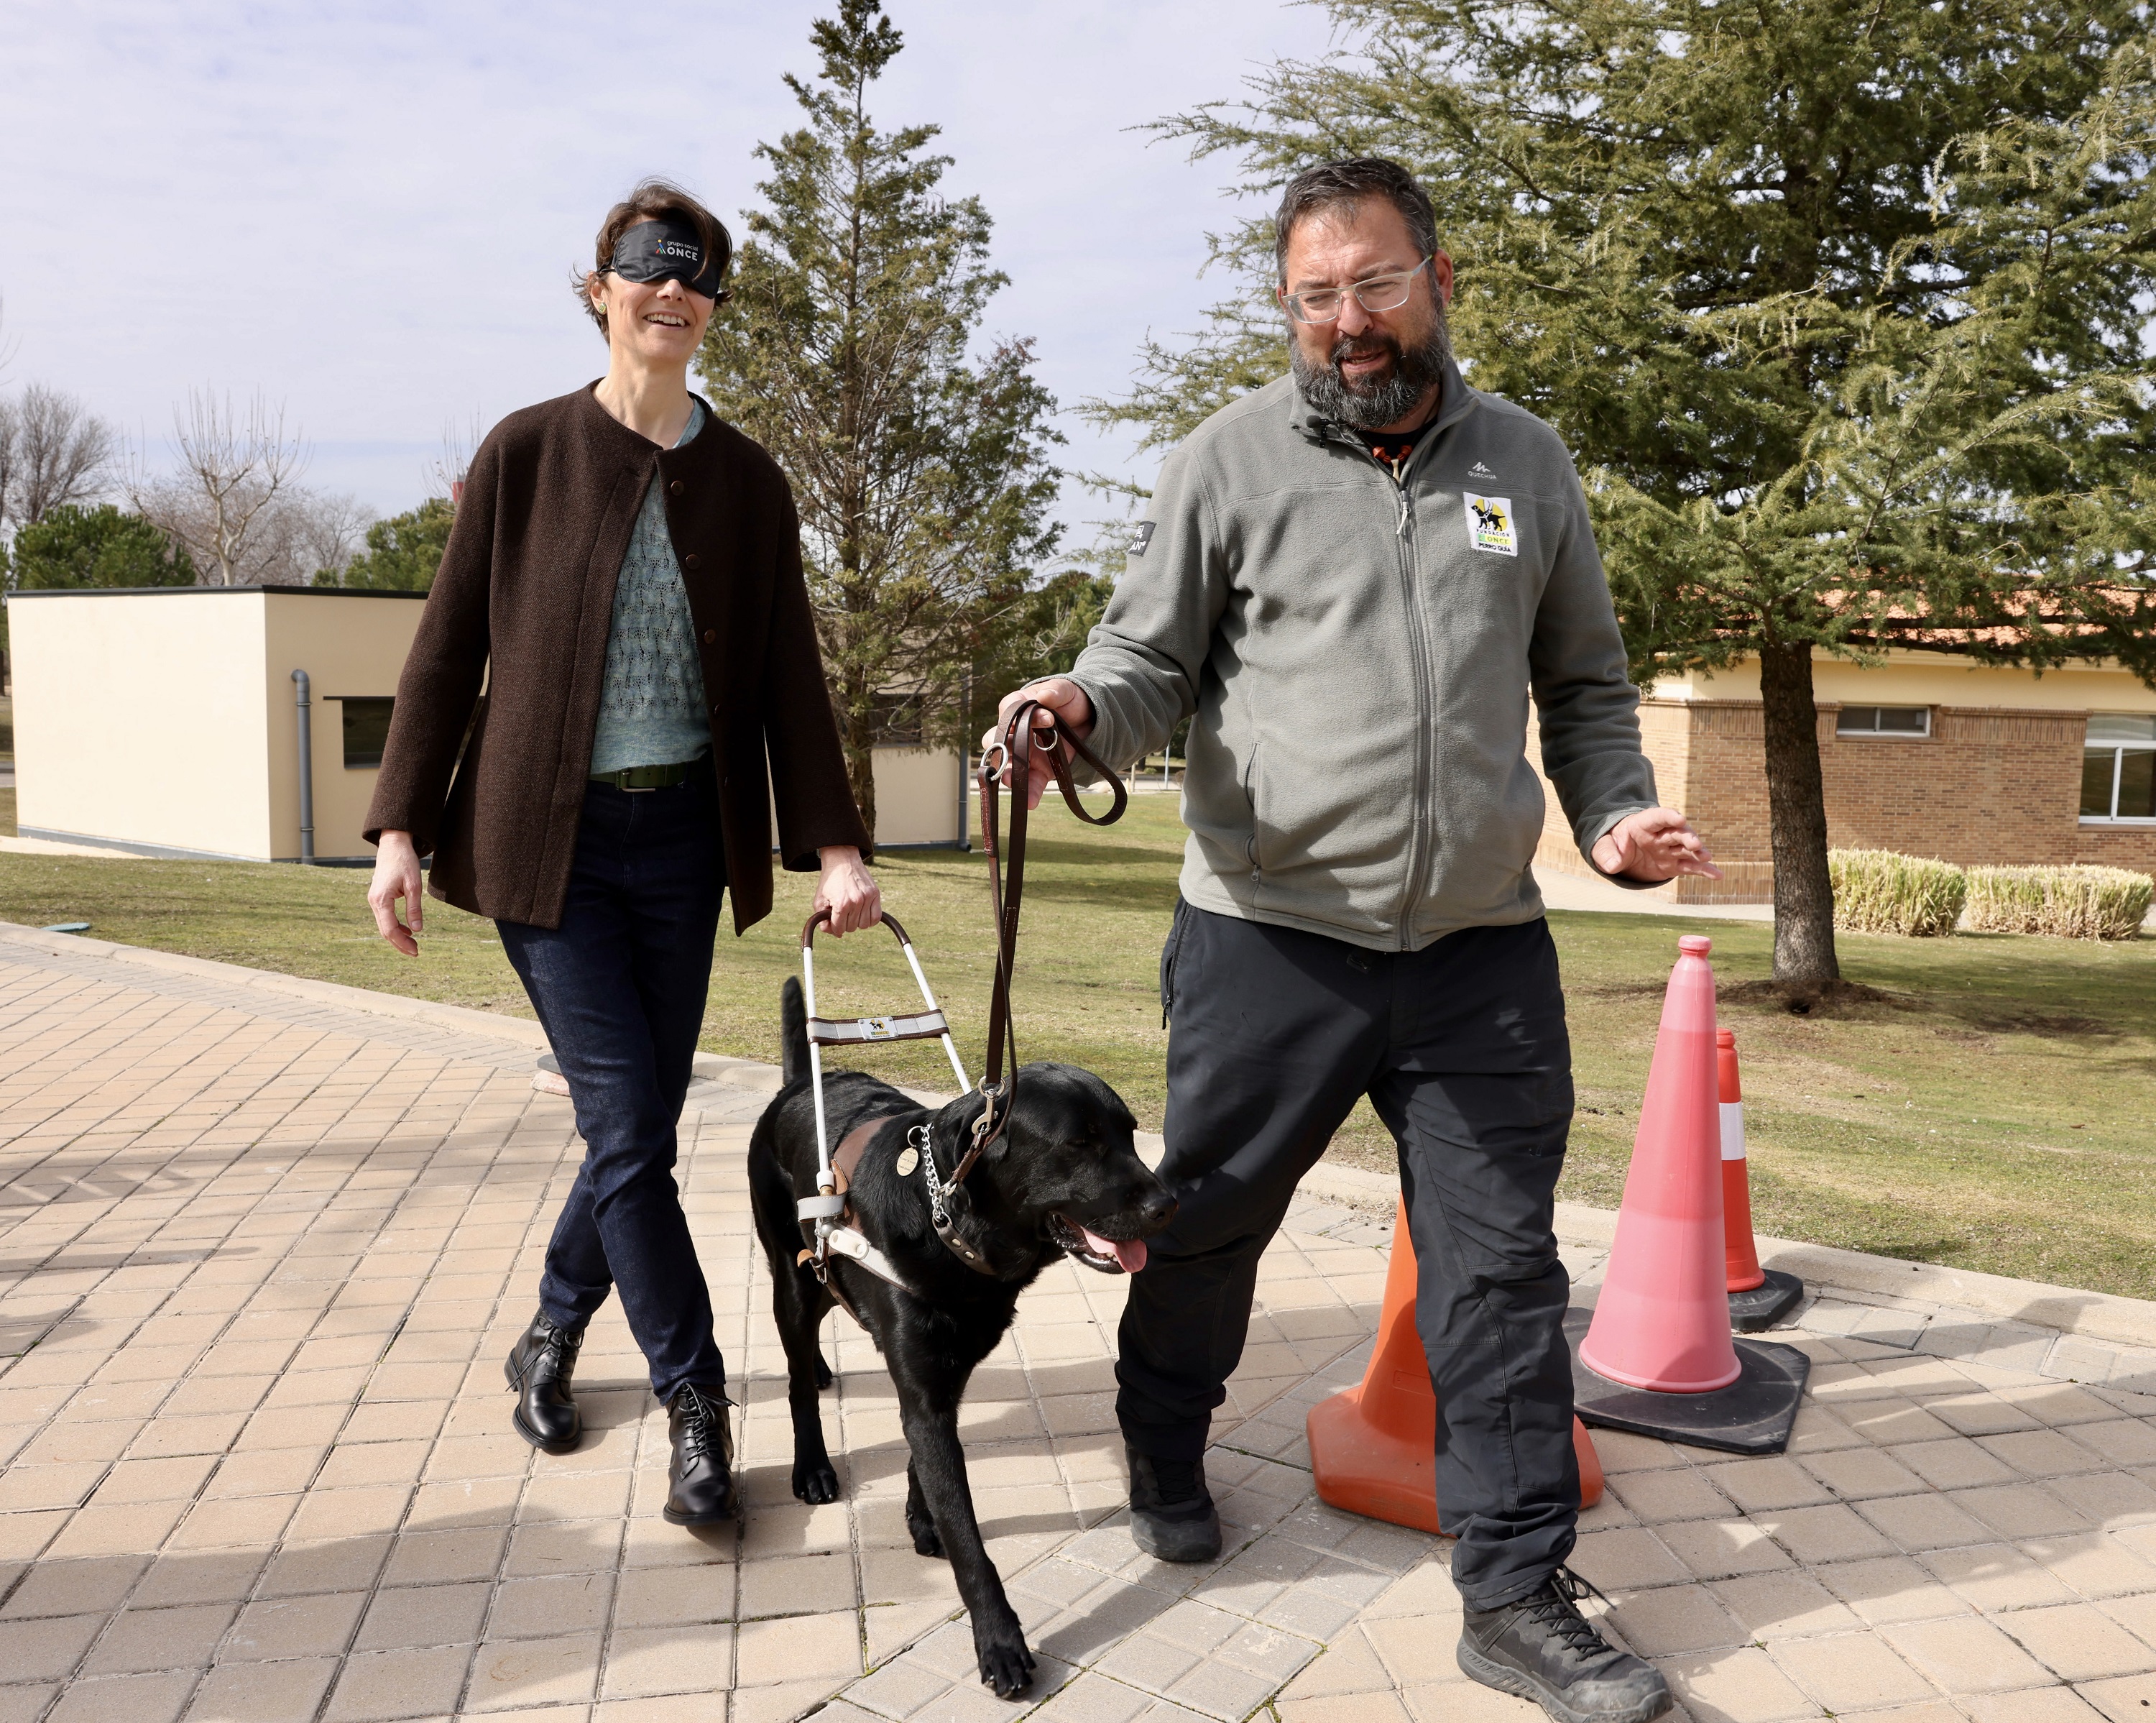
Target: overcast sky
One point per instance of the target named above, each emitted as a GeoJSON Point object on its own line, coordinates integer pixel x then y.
{"type": "Point", "coordinates": [369, 211]}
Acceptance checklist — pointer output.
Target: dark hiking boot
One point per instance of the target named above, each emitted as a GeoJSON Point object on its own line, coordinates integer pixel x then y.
{"type": "Point", "coordinates": [700, 1476]}
{"type": "Point", "coordinates": [539, 1366]}
{"type": "Point", "coordinates": [1541, 1647]}
{"type": "Point", "coordinates": [1173, 1518]}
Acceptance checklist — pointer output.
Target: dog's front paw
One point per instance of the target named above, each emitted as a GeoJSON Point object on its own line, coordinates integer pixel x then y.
{"type": "Point", "coordinates": [1006, 1665]}
{"type": "Point", "coordinates": [815, 1482]}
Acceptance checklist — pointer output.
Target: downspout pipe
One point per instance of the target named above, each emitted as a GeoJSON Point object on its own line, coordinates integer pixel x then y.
{"type": "Point", "coordinates": [306, 770]}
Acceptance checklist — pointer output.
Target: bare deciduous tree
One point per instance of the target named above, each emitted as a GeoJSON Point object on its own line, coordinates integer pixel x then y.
{"type": "Point", "coordinates": [232, 468]}
{"type": "Point", "coordinates": [63, 453]}
{"type": "Point", "coordinates": [459, 442]}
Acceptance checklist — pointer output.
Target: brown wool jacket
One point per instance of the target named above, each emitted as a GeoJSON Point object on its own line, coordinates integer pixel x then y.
{"type": "Point", "coordinates": [523, 603]}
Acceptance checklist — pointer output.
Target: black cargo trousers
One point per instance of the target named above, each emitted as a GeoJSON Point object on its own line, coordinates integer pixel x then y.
{"type": "Point", "coordinates": [1462, 1050]}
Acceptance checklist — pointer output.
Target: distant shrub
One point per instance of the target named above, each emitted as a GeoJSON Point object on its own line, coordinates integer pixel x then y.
{"type": "Point", "coordinates": [1879, 892]}
{"type": "Point", "coordinates": [2070, 903]}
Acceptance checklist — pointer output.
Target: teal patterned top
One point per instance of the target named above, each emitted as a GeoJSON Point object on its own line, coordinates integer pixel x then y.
{"type": "Point", "coordinates": [651, 707]}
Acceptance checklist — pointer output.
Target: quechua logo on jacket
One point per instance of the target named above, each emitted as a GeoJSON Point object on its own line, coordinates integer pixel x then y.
{"type": "Point", "coordinates": [1490, 525]}
{"type": "Point", "coordinates": [1141, 536]}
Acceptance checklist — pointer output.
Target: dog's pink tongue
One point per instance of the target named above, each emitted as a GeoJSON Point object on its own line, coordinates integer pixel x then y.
{"type": "Point", "coordinates": [1131, 1252]}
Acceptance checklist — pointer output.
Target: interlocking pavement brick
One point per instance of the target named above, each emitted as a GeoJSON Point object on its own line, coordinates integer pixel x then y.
{"type": "Point", "coordinates": [522, 1674]}
{"type": "Point", "coordinates": [125, 1698]}
{"type": "Point", "coordinates": [1996, 1577]}
{"type": "Point", "coordinates": [402, 1683]}
{"type": "Point", "coordinates": [798, 1648]}
{"type": "Point", "coordinates": [75, 1588]}
{"type": "Point", "coordinates": [144, 1639]}
{"type": "Point", "coordinates": [1850, 1672]}
{"type": "Point", "coordinates": [262, 1693]}
{"type": "Point", "coordinates": [1739, 1686]}
{"type": "Point", "coordinates": [2076, 1642]}
{"type": "Point", "coordinates": [1966, 1655]}
{"type": "Point", "coordinates": [319, 1625]}
{"type": "Point", "coordinates": [46, 1648]}
{"type": "Point", "coordinates": [424, 1615]}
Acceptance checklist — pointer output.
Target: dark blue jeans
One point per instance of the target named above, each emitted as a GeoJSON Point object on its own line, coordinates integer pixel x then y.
{"type": "Point", "coordinates": [620, 987]}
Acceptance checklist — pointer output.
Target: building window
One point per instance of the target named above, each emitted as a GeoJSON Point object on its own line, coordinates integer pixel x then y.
{"type": "Point", "coordinates": [2119, 769]}
{"type": "Point", "coordinates": [366, 729]}
{"type": "Point", "coordinates": [1883, 721]}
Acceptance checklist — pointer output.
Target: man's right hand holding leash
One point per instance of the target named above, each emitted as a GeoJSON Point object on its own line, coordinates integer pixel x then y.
{"type": "Point", "coordinates": [1072, 711]}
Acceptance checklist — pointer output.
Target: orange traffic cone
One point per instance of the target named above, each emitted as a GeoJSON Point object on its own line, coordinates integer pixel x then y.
{"type": "Point", "coordinates": [1657, 1357]}
{"type": "Point", "coordinates": [1758, 1298]}
{"type": "Point", "coordinates": [1373, 1446]}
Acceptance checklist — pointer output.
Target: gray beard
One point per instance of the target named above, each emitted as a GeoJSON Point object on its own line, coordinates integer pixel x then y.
{"type": "Point", "coordinates": [1373, 406]}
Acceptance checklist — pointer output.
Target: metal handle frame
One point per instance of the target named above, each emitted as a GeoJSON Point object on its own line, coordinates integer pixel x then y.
{"type": "Point", "coordinates": [825, 1207]}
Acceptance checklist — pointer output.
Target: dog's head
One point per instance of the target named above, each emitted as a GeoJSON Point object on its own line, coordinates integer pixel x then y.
{"type": "Point", "coordinates": [1064, 1175]}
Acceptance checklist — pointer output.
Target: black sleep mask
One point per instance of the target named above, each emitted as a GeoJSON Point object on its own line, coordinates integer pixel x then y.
{"type": "Point", "coordinates": [670, 249]}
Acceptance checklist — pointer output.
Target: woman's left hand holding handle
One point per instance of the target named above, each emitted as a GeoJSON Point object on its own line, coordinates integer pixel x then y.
{"type": "Point", "coordinates": [397, 875]}
{"type": "Point", "coordinates": [847, 890]}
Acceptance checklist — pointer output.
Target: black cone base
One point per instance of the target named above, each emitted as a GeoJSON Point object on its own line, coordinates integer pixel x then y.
{"type": "Point", "coordinates": [1766, 1303]}
{"type": "Point", "coordinates": [1753, 1415]}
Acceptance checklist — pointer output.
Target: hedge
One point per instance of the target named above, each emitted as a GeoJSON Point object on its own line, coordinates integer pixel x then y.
{"type": "Point", "coordinates": [2072, 903]}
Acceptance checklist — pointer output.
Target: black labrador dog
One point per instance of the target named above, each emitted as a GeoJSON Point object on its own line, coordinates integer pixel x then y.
{"type": "Point", "coordinates": [1063, 1179]}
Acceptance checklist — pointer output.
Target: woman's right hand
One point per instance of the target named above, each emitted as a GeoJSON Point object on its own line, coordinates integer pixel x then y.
{"type": "Point", "coordinates": [396, 875]}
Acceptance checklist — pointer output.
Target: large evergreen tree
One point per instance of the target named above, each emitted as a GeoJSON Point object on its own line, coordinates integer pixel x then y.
{"type": "Point", "coordinates": [920, 470]}
{"type": "Point", "coordinates": [1839, 303]}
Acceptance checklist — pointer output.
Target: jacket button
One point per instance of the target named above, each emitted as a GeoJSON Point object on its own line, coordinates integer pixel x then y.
{"type": "Point", "coordinates": [676, 487]}
{"type": "Point", "coordinates": [709, 634]}
{"type": "Point", "coordinates": [690, 560]}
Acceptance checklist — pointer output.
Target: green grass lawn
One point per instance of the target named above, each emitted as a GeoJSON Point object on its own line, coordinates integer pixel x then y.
{"type": "Point", "coordinates": [1992, 1110]}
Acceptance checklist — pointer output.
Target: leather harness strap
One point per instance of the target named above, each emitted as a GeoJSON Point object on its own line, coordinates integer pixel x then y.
{"type": "Point", "coordinates": [1007, 887]}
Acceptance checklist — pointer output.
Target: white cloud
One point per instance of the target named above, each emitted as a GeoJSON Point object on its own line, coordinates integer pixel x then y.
{"type": "Point", "coordinates": [371, 211]}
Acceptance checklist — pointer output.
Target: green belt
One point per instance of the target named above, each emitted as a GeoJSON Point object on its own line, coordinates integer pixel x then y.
{"type": "Point", "coordinates": [646, 776]}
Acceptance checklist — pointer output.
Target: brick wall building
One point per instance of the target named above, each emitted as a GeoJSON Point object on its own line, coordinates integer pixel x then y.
{"type": "Point", "coordinates": [1921, 754]}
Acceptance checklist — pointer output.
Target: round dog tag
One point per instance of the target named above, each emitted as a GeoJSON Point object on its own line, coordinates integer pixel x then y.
{"type": "Point", "coordinates": [908, 1159]}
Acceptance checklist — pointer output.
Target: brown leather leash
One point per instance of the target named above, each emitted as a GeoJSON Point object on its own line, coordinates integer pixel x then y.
{"type": "Point", "coordinates": [1007, 888]}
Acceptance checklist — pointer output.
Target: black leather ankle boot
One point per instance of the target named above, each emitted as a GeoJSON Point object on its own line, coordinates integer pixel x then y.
{"type": "Point", "coordinates": [539, 1366]}
{"type": "Point", "coordinates": [701, 1473]}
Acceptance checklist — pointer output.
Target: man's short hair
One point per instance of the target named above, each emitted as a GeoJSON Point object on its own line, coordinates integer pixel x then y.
{"type": "Point", "coordinates": [1332, 184]}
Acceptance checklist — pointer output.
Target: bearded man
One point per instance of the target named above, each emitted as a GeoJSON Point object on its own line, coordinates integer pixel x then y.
{"type": "Point", "coordinates": [1352, 581]}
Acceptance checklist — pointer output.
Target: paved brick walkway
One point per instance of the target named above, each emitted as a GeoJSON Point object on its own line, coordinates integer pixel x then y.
{"type": "Point", "coordinates": [260, 1255]}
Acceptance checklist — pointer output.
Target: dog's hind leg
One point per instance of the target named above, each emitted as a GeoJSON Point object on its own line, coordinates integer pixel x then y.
{"type": "Point", "coordinates": [797, 1304]}
{"type": "Point", "coordinates": [937, 1477]}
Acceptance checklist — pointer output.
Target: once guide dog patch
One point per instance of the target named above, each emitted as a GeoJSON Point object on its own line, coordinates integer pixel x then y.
{"type": "Point", "coordinates": [1490, 525]}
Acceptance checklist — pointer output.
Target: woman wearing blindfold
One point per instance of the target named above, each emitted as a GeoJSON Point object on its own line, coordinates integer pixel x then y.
{"type": "Point", "coordinates": [616, 659]}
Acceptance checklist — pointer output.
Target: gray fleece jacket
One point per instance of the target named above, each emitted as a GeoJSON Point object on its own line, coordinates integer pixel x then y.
{"type": "Point", "coordinates": [1358, 656]}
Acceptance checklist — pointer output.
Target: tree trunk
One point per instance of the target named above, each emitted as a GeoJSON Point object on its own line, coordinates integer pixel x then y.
{"type": "Point", "coordinates": [860, 761]}
{"type": "Point", "coordinates": [1796, 814]}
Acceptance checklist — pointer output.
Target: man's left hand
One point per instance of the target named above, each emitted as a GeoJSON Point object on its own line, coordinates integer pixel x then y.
{"type": "Point", "coordinates": [1654, 845]}
{"type": "Point", "coordinates": [848, 890]}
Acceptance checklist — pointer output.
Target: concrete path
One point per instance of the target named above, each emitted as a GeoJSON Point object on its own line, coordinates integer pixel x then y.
{"type": "Point", "coordinates": [263, 1244]}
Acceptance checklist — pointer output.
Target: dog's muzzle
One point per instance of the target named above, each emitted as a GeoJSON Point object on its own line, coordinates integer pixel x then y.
{"type": "Point", "coordinates": [1108, 1256]}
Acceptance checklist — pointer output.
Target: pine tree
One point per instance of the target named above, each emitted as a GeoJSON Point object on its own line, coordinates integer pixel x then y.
{"type": "Point", "coordinates": [403, 554]}
{"type": "Point", "coordinates": [1839, 304]}
{"type": "Point", "coordinates": [921, 472]}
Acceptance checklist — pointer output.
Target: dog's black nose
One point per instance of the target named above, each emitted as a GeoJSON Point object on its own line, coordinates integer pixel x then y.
{"type": "Point", "coordinates": [1156, 1208]}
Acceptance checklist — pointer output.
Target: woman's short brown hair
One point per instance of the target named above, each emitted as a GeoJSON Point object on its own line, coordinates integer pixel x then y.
{"type": "Point", "coordinates": [652, 198]}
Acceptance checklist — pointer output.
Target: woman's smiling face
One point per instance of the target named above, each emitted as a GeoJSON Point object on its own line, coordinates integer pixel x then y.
{"type": "Point", "coordinates": [659, 323]}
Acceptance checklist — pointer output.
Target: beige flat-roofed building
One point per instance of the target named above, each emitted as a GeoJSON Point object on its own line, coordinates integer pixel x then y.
{"type": "Point", "coordinates": [165, 722]}
{"type": "Point", "coordinates": [1924, 752]}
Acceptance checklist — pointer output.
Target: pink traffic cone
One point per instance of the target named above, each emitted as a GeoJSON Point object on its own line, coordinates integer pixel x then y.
{"type": "Point", "coordinates": [1662, 1321]}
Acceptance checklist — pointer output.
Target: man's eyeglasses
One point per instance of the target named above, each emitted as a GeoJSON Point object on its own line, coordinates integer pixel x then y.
{"type": "Point", "coordinates": [1386, 292]}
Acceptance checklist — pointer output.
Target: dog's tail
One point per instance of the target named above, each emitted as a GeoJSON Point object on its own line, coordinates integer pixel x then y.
{"type": "Point", "coordinates": [794, 1030]}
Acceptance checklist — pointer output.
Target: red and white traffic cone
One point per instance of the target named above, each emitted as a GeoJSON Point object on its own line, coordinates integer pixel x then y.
{"type": "Point", "coordinates": [1758, 1298]}
{"type": "Point", "coordinates": [1656, 1357]}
